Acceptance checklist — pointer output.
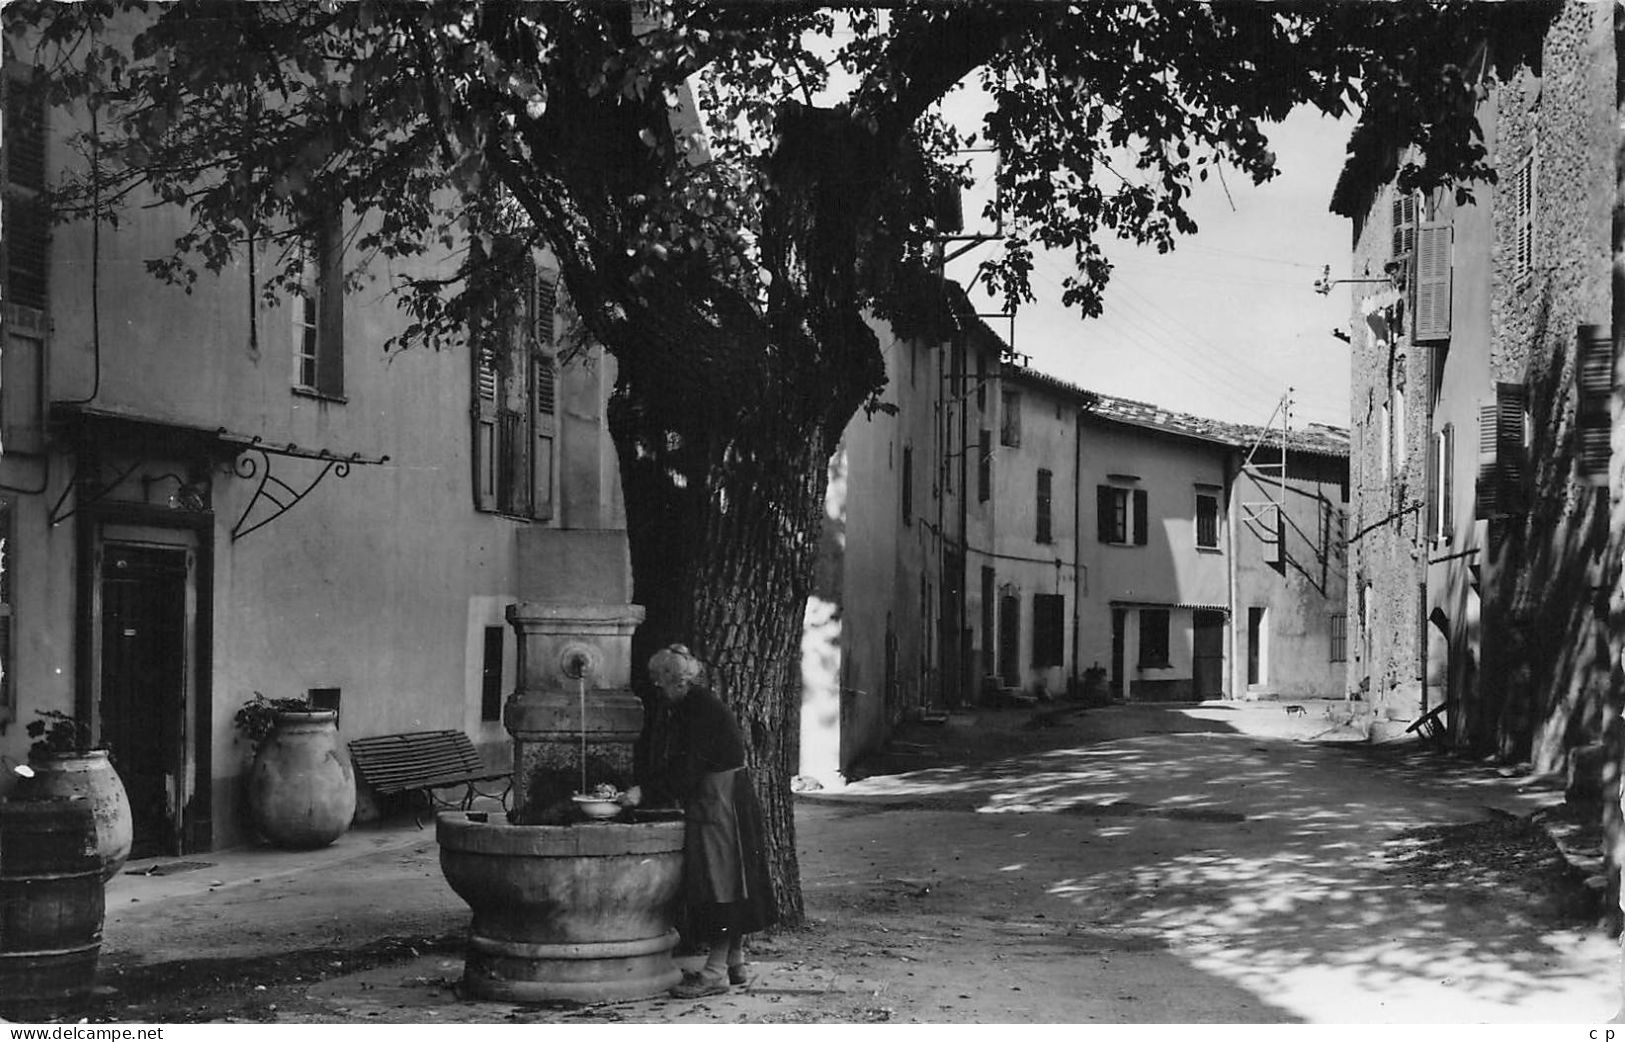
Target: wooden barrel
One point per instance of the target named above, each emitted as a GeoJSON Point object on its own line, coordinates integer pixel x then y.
{"type": "Point", "coordinates": [52, 898]}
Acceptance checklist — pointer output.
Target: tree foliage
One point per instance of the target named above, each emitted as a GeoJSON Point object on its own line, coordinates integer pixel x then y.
{"type": "Point", "coordinates": [729, 272]}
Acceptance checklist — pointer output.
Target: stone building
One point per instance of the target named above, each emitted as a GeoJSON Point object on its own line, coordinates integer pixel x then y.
{"type": "Point", "coordinates": [204, 495]}
{"type": "Point", "coordinates": [996, 532]}
{"type": "Point", "coordinates": [1483, 361]}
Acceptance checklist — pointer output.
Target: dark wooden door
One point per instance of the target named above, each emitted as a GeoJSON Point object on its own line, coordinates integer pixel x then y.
{"type": "Point", "coordinates": [1010, 641]}
{"type": "Point", "coordinates": [143, 686]}
{"type": "Point", "coordinates": [1119, 627]}
{"type": "Point", "coordinates": [1207, 664]}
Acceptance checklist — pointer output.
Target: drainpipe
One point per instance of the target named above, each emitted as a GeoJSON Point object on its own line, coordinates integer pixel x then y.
{"type": "Point", "coordinates": [1232, 470]}
{"type": "Point", "coordinates": [1077, 542]}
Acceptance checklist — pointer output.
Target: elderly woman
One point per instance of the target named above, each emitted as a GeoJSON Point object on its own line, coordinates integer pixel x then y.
{"type": "Point", "coordinates": [702, 766]}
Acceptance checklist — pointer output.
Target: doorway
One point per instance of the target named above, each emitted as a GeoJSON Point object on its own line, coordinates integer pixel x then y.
{"type": "Point", "coordinates": [1207, 654]}
{"type": "Point", "coordinates": [1119, 629]}
{"type": "Point", "coordinates": [1010, 640]}
{"type": "Point", "coordinates": [1257, 656]}
{"type": "Point", "coordinates": [145, 639]}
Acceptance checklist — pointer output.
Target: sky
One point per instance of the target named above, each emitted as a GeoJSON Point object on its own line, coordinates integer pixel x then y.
{"type": "Point", "coordinates": [1229, 321]}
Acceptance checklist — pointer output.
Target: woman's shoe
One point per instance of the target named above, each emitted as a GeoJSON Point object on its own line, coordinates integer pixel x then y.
{"type": "Point", "coordinates": [699, 988]}
{"type": "Point", "coordinates": [739, 974]}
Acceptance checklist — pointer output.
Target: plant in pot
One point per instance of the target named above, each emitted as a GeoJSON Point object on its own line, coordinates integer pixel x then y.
{"type": "Point", "coordinates": [301, 787]}
{"type": "Point", "coordinates": [64, 763]}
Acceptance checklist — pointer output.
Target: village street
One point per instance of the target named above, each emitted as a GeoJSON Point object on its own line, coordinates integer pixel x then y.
{"type": "Point", "coordinates": [1221, 863]}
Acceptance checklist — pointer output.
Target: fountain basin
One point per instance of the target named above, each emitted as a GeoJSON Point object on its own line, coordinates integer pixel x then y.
{"type": "Point", "coordinates": [581, 912]}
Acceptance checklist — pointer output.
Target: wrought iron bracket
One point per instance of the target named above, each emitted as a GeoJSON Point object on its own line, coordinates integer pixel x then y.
{"type": "Point", "coordinates": [274, 496]}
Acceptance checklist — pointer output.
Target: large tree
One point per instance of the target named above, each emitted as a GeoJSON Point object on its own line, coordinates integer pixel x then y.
{"type": "Point", "coordinates": [730, 276]}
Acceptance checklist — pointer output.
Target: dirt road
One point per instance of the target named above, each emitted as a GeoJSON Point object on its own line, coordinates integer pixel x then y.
{"type": "Point", "coordinates": [1122, 865]}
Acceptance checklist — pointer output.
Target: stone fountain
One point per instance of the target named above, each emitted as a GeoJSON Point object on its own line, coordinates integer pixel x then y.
{"type": "Point", "coordinates": [566, 908]}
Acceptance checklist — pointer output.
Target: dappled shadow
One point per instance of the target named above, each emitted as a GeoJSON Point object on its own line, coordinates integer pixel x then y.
{"type": "Point", "coordinates": [1299, 867]}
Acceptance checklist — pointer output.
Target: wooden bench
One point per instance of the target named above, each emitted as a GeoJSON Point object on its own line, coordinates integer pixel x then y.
{"type": "Point", "coordinates": [418, 763]}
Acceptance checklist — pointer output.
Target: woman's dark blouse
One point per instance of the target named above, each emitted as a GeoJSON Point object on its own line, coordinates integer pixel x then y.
{"type": "Point", "coordinates": [701, 737]}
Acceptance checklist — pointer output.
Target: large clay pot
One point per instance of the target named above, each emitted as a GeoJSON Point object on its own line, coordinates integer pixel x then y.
{"type": "Point", "coordinates": [89, 776]}
{"type": "Point", "coordinates": [301, 789]}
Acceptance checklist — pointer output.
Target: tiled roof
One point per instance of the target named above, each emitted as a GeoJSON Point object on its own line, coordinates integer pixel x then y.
{"type": "Point", "coordinates": [1317, 438]}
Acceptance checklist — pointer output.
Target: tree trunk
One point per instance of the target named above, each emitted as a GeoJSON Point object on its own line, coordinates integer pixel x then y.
{"type": "Point", "coordinates": [723, 527]}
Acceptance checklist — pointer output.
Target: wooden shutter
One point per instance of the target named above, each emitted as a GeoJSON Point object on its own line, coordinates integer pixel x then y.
{"type": "Point", "coordinates": [1447, 482]}
{"type": "Point", "coordinates": [1594, 376]}
{"type": "Point", "coordinates": [25, 220]}
{"type": "Point", "coordinates": [1141, 526]}
{"type": "Point", "coordinates": [1042, 534]}
{"type": "Point", "coordinates": [1433, 503]}
{"type": "Point", "coordinates": [1501, 452]}
{"type": "Point", "coordinates": [1404, 225]}
{"type": "Point", "coordinates": [487, 395]}
{"type": "Point", "coordinates": [329, 248]}
{"type": "Point", "coordinates": [1432, 308]}
{"type": "Point", "coordinates": [1105, 507]}
{"type": "Point", "coordinates": [543, 397]}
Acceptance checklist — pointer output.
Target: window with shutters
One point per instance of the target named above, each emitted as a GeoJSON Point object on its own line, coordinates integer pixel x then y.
{"type": "Point", "coordinates": [1339, 637]}
{"type": "Point", "coordinates": [1431, 296]}
{"type": "Point", "coordinates": [1121, 515]}
{"type": "Point", "coordinates": [988, 607]}
{"type": "Point", "coordinates": [1045, 488]}
{"type": "Point", "coordinates": [1502, 452]}
{"type": "Point", "coordinates": [984, 465]}
{"type": "Point", "coordinates": [1404, 226]}
{"type": "Point", "coordinates": [25, 218]}
{"type": "Point", "coordinates": [515, 410]}
{"type": "Point", "coordinates": [1207, 521]}
{"type": "Point", "coordinates": [1010, 419]}
{"type": "Point", "coordinates": [1594, 393]}
{"type": "Point", "coordinates": [981, 381]}
{"type": "Point", "coordinates": [1523, 218]}
{"type": "Point", "coordinates": [1049, 630]}
{"type": "Point", "coordinates": [318, 310]}
{"type": "Point", "coordinates": [1154, 638]}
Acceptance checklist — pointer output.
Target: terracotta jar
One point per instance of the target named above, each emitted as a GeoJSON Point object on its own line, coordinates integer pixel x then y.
{"type": "Point", "coordinates": [301, 789]}
{"type": "Point", "coordinates": [90, 776]}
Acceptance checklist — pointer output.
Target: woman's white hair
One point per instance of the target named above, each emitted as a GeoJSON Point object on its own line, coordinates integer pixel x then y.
{"type": "Point", "coordinates": [677, 660]}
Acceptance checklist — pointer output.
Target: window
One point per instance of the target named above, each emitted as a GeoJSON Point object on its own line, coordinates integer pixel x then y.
{"type": "Point", "coordinates": [25, 218]}
{"type": "Point", "coordinates": [984, 465]}
{"type": "Point", "coordinates": [1045, 481]}
{"type": "Point", "coordinates": [1049, 630]}
{"type": "Point", "coordinates": [908, 485]}
{"type": "Point", "coordinates": [491, 674]}
{"type": "Point", "coordinates": [329, 699]}
{"type": "Point", "coordinates": [1432, 294]}
{"type": "Point", "coordinates": [1340, 637]}
{"type": "Point", "coordinates": [1154, 638]}
{"type": "Point", "coordinates": [1502, 446]}
{"type": "Point", "coordinates": [1404, 226]}
{"type": "Point", "coordinates": [1385, 444]}
{"type": "Point", "coordinates": [8, 665]}
{"type": "Point", "coordinates": [1399, 446]}
{"type": "Point", "coordinates": [1207, 521]}
{"type": "Point", "coordinates": [981, 381]}
{"type": "Point", "coordinates": [1594, 377]}
{"type": "Point", "coordinates": [1442, 484]}
{"type": "Point", "coordinates": [1523, 218]}
{"type": "Point", "coordinates": [318, 310]}
{"type": "Point", "coordinates": [1010, 420]}
{"type": "Point", "coordinates": [515, 406]}
{"type": "Point", "coordinates": [1121, 514]}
